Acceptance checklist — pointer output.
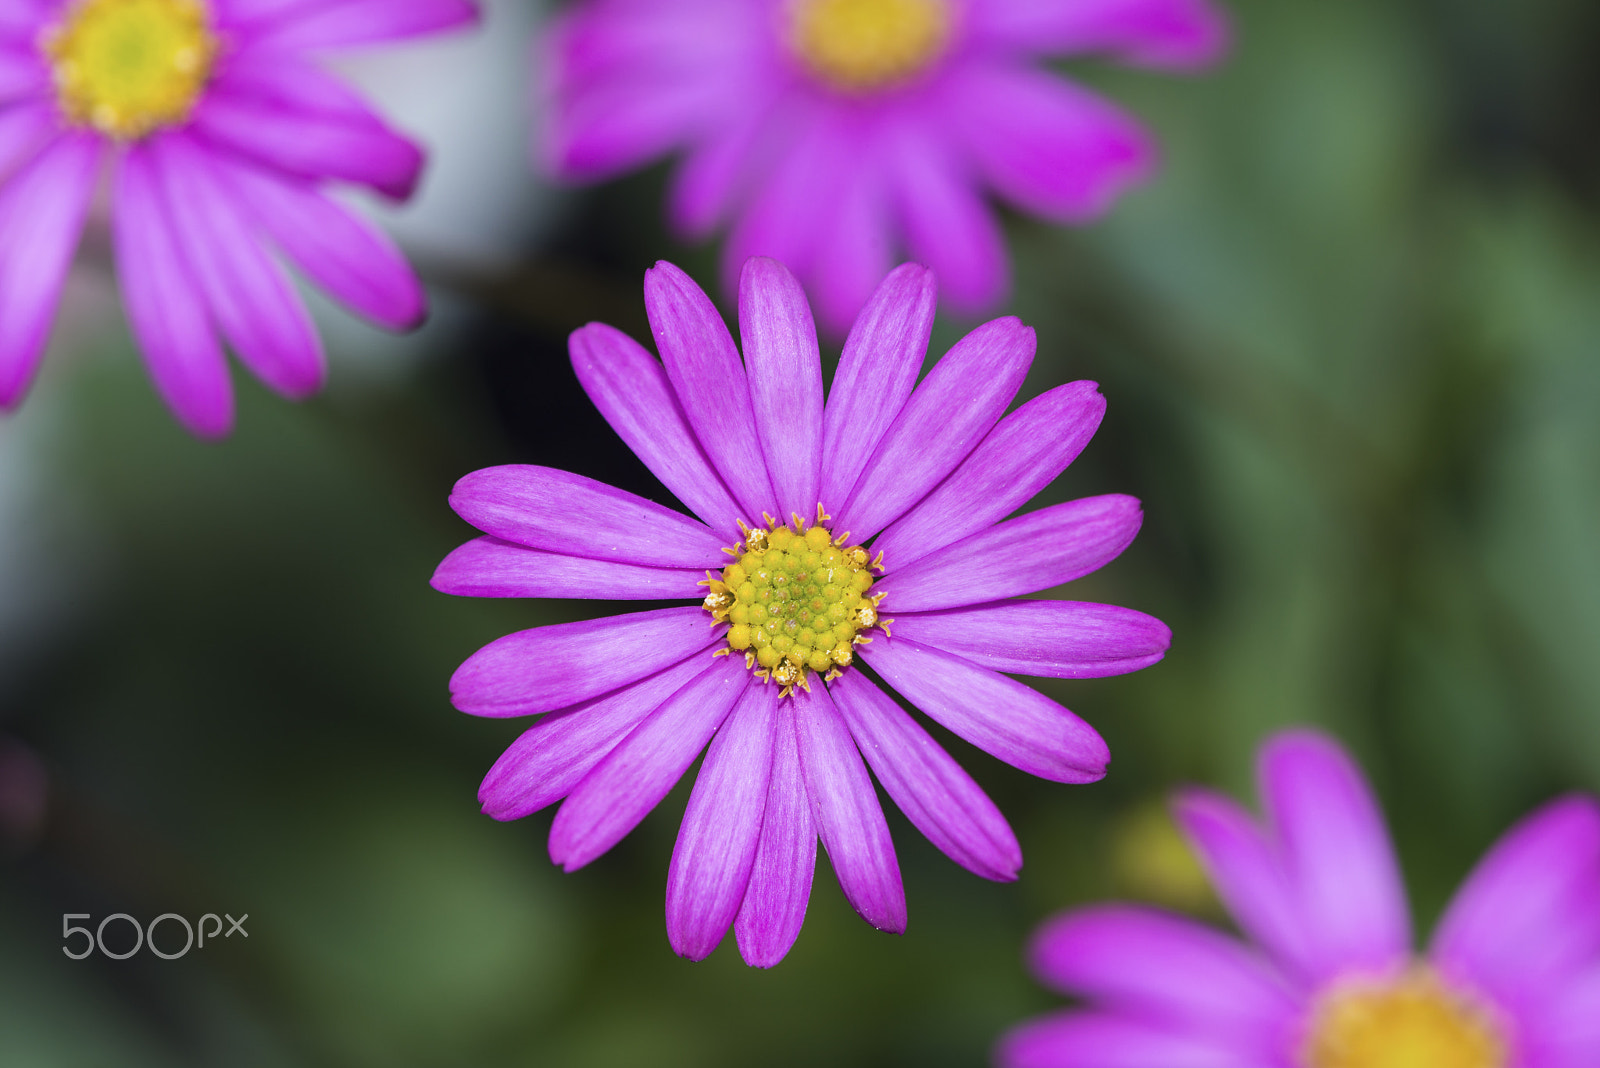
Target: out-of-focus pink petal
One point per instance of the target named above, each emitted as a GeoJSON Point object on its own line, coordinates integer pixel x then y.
{"type": "Point", "coordinates": [1169, 971]}
{"type": "Point", "coordinates": [630, 388]}
{"type": "Point", "coordinates": [1018, 458]}
{"type": "Point", "coordinates": [288, 114]}
{"type": "Point", "coordinates": [1001, 716]}
{"type": "Point", "coordinates": [1246, 872]}
{"type": "Point", "coordinates": [846, 810]}
{"type": "Point", "coordinates": [164, 305]}
{"type": "Point", "coordinates": [721, 828]}
{"type": "Point", "coordinates": [792, 201]}
{"type": "Point", "coordinates": [346, 23]}
{"type": "Point", "coordinates": [42, 210]}
{"type": "Point", "coordinates": [357, 263]}
{"type": "Point", "coordinates": [1336, 851]}
{"type": "Point", "coordinates": [491, 567]}
{"type": "Point", "coordinates": [1528, 917]}
{"type": "Point", "coordinates": [1167, 34]}
{"type": "Point", "coordinates": [1048, 146]}
{"type": "Point", "coordinates": [947, 224]}
{"type": "Point", "coordinates": [1105, 1040]}
{"type": "Point", "coordinates": [252, 302]}
{"type": "Point", "coordinates": [945, 419]}
{"type": "Point", "coordinates": [643, 768]}
{"type": "Point", "coordinates": [1567, 1032]}
{"type": "Point", "coordinates": [561, 512]}
{"type": "Point", "coordinates": [709, 381]}
{"type": "Point", "coordinates": [785, 373]}
{"type": "Point", "coordinates": [937, 796]}
{"type": "Point", "coordinates": [551, 667]}
{"type": "Point", "coordinates": [1056, 639]}
{"type": "Point", "coordinates": [24, 129]}
{"type": "Point", "coordinates": [775, 900]}
{"type": "Point", "coordinates": [24, 72]}
{"type": "Point", "coordinates": [553, 756]}
{"type": "Point", "coordinates": [856, 248]}
{"type": "Point", "coordinates": [877, 371]}
{"type": "Point", "coordinates": [1032, 552]}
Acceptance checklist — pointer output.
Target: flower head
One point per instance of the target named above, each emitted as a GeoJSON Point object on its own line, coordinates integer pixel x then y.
{"type": "Point", "coordinates": [895, 496]}
{"type": "Point", "coordinates": [223, 133]}
{"type": "Point", "coordinates": [1511, 978]}
{"type": "Point", "coordinates": [829, 133]}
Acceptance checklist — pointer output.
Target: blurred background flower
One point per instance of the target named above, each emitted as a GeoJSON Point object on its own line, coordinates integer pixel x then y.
{"type": "Point", "coordinates": [1349, 335]}
{"type": "Point", "coordinates": [1331, 976]}
{"type": "Point", "coordinates": [832, 135]}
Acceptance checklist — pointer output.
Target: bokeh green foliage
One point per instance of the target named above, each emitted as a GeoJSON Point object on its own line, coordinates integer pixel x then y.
{"type": "Point", "coordinates": [1351, 345]}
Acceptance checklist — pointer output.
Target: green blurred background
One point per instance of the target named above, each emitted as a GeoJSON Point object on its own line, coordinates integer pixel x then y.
{"type": "Point", "coordinates": [1350, 340]}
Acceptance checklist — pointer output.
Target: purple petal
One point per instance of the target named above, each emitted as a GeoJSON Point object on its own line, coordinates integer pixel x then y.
{"type": "Point", "coordinates": [561, 512]}
{"type": "Point", "coordinates": [346, 23]}
{"type": "Point", "coordinates": [1336, 851]}
{"type": "Point", "coordinates": [1048, 146]}
{"type": "Point", "coordinates": [1569, 1028]}
{"type": "Point", "coordinates": [42, 209]}
{"type": "Point", "coordinates": [937, 796]}
{"type": "Point", "coordinates": [785, 370]}
{"type": "Point", "coordinates": [848, 816]}
{"type": "Point", "coordinates": [296, 118]}
{"type": "Point", "coordinates": [1244, 868]}
{"type": "Point", "coordinates": [774, 905]}
{"type": "Point", "coordinates": [948, 224]}
{"type": "Point", "coordinates": [490, 567]}
{"type": "Point", "coordinates": [877, 371]}
{"type": "Point", "coordinates": [23, 72]}
{"type": "Point", "coordinates": [1019, 457]}
{"type": "Point", "coordinates": [998, 715]}
{"type": "Point", "coordinates": [249, 297]}
{"type": "Point", "coordinates": [630, 389]}
{"type": "Point", "coordinates": [349, 257]}
{"type": "Point", "coordinates": [717, 842]}
{"type": "Point", "coordinates": [614, 125]}
{"type": "Point", "coordinates": [702, 189]}
{"type": "Point", "coordinates": [710, 383]}
{"type": "Point", "coordinates": [547, 668]}
{"type": "Point", "coordinates": [24, 130]}
{"type": "Point", "coordinates": [1033, 552]}
{"type": "Point", "coordinates": [1528, 917]}
{"type": "Point", "coordinates": [643, 768]}
{"type": "Point", "coordinates": [945, 419]}
{"type": "Point", "coordinates": [1170, 34]}
{"type": "Point", "coordinates": [164, 306]}
{"type": "Point", "coordinates": [553, 756]}
{"type": "Point", "coordinates": [1103, 1040]}
{"type": "Point", "coordinates": [854, 249]}
{"type": "Point", "coordinates": [1169, 971]}
{"type": "Point", "coordinates": [1058, 639]}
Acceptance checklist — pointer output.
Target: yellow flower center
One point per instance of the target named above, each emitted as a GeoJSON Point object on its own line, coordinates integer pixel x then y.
{"type": "Point", "coordinates": [796, 601]}
{"type": "Point", "coordinates": [861, 45]}
{"type": "Point", "coordinates": [127, 67]}
{"type": "Point", "coordinates": [1415, 1021]}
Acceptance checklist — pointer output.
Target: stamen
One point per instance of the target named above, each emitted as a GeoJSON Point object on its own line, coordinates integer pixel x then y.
{"type": "Point", "coordinates": [795, 602]}
{"type": "Point", "coordinates": [858, 46]}
{"type": "Point", "coordinates": [1415, 1021]}
{"type": "Point", "coordinates": [128, 67]}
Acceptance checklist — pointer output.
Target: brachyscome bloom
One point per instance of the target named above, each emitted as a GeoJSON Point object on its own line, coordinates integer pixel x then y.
{"type": "Point", "coordinates": [222, 133]}
{"type": "Point", "coordinates": [832, 133]}
{"type": "Point", "coordinates": [893, 497]}
{"type": "Point", "coordinates": [1511, 977]}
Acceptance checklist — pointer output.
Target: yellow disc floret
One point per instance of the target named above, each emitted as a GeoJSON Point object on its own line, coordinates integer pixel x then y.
{"type": "Point", "coordinates": [127, 67]}
{"type": "Point", "coordinates": [861, 45]}
{"type": "Point", "coordinates": [795, 601]}
{"type": "Point", "coordinates": [1415, 1021]}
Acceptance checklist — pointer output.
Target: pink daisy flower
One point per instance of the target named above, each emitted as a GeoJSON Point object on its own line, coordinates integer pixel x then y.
{"type": "Point", "coordinates": [896, 495]}
{"type": "Point", "coordinates": [1511, 978]}
{"type": "Point", "coordinates": [222, 133]}
{"type": "Point", "coordinates": [832, 133]}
